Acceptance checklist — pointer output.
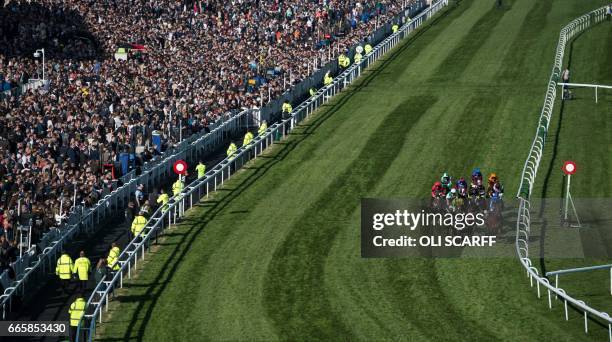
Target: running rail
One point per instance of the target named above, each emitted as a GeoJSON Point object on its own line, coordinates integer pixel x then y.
{"type": "Point", "coordinates": [97, 302]}
{"type": "Point", "coordinates": [530, 169]}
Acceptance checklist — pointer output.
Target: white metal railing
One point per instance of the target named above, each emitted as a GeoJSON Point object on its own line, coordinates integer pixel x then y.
{"type": "Point", "coordinates": [34, 267]}
{"type": "Point", "coordinates": [97, 302]}
{"type": "Point", "coordinates": [582, 85]}
{"type": "Point", "coordinates": [580, 269]}
{"type": "Point", "coordinates": [528, 176]}
{"type": "Point", "coordinates": [32, 84]}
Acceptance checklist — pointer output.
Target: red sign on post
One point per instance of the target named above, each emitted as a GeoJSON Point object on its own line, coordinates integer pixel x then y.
{"type": "Point", "coordinates": [569, 167]}
{"type": "Point", "coordinates": [180, 167]}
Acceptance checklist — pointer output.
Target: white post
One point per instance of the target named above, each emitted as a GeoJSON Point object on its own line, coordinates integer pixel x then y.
{"type": "Point", "coordinates": [567, 194]}
{"type": "Point", "coordinates": [595, 94]}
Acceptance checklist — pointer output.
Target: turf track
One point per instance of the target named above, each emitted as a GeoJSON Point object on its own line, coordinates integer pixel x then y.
{"type": "Point", "coordinates": [275, 255]}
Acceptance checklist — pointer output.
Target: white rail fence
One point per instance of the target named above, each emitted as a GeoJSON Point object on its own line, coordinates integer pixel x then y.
{"type": "Point", "coordinates": [582, 85]}
{"type": "Point", "coordinates": [528, 177]}
{"type": "Point", "coordinates": [97, 302]}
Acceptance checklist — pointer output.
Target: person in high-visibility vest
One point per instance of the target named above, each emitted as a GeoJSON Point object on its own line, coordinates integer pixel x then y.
{"type": "Point", "coordinates": [76, 312]}
{"type": "Point", "coordinates": [63, 270]}
{"type": "Point", "coordinates": [367, 48]}
{"type": "Point", "coordinates": [357, 58]}
{"type": "Point", "coordinates": [163, 198]}
{"type": "Point", "coordinates": [248, 137]}
{"type": "Point", "coordinates": [139, 223]}
{"type": "Point", "coordinates": [327, 79]}
{"type": "Point", "coordinates": [341, 60]}
{"type": "Point", "coordinates": [231, 150]}
{"type": "Point", "coordinates": [263, 127]}
{"type": "Point", "coordinates": [113, 257]}
{"type": "Point", "coordinates": [201, 168]}
{"type": "Point", "coordinates": [287, 108]}
{"type": "Point", "coordinates": [395, 28]}
{"type": "Point", "coordinates": [344, 61]}
{"type": "Point", "coordinates": [312, 92]}
{"type": "Point", "coordinates": [81, 268]}
{"type": "Point", "coordinates": [177, 187]}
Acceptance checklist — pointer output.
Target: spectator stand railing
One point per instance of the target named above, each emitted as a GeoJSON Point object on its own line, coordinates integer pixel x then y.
{"type": "Point", "coordinates": [528, 177]}
{"type": "Point", "coordinates": [31, 85]}
{"type": "Point", "coordinates": [98, 301]}
{"type": "Point", "coordinates": [52, 242]}
{"type": "Point", "coordinates": [35, 267]}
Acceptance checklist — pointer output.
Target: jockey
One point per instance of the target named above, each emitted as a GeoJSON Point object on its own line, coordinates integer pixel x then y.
{"type": "Point", "coordinates": [446, 182]}
{"type": "Point", "coordinates": [477, 190]}
{"type": "Point", "coordinates": [437, 190]}
{"type": "Point", "coordinates": [462, 192]}
{"type": "Point", "coordinates": [476, 175]}
{"type": "Point", "coordinates": [461, 183]}
{"type": "Point", "coordinates": [492, 179]}
{"type": "Point", "coordinates": [495, 197]}
{"type": "Point", "coordinates": [450, 197]}
{"type": "Point", "coordinates": [498, 189]}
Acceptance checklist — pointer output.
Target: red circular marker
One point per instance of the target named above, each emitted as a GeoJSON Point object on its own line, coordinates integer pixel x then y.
{"type": "Point", "coordinates": [569, 167]}
{"type": "Point", "coordinates": [180, 167]}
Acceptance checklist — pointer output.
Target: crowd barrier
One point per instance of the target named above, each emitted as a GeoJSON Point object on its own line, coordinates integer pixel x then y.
{"type": "Point", "coordinates": [200, 188]}
{"type": "Point", "coordinates": [17, 91]}
{"type": "Point", "coordinates": [88, 219]}
{"type": "Point", "coordinates": [529, 173]}
{"type": "Point", "coordinates": [31, 269]}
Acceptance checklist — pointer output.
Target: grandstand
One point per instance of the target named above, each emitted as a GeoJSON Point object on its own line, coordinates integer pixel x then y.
{"type": "Point", "coordinates": [266, 245]}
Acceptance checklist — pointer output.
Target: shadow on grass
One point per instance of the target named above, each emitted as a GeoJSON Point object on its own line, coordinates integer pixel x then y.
{"type": "Point", "coordinates": [148, 301]}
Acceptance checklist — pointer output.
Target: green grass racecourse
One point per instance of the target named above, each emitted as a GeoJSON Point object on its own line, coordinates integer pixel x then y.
{"type": "Point", "coordinates": [276, 253]}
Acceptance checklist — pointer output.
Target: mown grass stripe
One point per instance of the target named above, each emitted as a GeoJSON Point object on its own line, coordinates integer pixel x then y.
{"type": "Point", "coordinates": [294, 293]}
{"type": "Point", "coordinates": [456, 61]}
{"type": "Point", "coordinates": [535, 22]}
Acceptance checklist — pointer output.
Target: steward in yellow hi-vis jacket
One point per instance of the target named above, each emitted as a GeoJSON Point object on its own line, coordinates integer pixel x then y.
{"type": "Point", "coordinates": [358, 58]}
{"type": "Point", "coordinates": [163, 198]}
{"type": "Point", "coordinates": [248, 137]}
{"type": "Point", "coordinates": [64, 270]}
{"type": "Point", "coordinates": [177, 187]}
{"type": "Point", "coordinates": [201, 168]}
{"type": "Point", "coordinates": [287, 109]}
{"type": "Point", "coordinates": [367, 48]}
{"type": "Point", "coordinates": [327, 79]}
{"type": "Point", "coordinates": [82, 266]}
{"type": "Point", "coordinates": [395, 28]}
{"type": "Point", "coordinates": [231, 151]}
{"type": "Point", "coordinates": [76, 312]}
{"type": "Point", "coordinates": [312, 92]}
{"type": "Point", "coordinates": [262, 128]}
{"type": "Point", "coordinates": [139, 223]}
{"type": "Point", "coordinates": [113, 257]}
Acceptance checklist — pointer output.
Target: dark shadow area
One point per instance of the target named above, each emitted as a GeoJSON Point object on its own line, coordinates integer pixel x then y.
{"type": "Point", "coordinates": [63, 33]}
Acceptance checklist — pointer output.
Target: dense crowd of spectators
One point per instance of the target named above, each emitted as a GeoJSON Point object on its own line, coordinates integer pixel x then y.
{"type": "Point", "coordinates": [189, 63]}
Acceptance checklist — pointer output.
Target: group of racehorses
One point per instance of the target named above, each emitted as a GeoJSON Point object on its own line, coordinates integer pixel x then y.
{"type": "Point", "coordinates": [459, 197]}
